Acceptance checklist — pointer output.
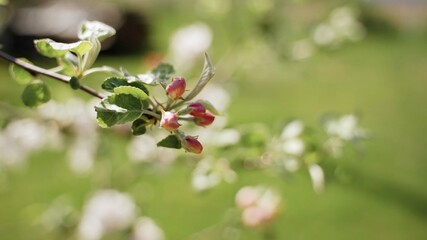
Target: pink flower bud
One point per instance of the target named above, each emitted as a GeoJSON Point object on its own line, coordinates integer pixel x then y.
{"type": "Point", "coordinates": [176, 88]}
{"type": "Point", "coordinates": [169, 121]}
{"type": "Point", "coordinates": [204, 120]}
{"type": "Point", "coordinates": [191, 144]}
{"type": "Point", "coordinates": [197, 109]}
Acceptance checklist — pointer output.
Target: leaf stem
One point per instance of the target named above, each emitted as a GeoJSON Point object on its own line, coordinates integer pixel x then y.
{"type": "Point", "coordinates": [38, 70]}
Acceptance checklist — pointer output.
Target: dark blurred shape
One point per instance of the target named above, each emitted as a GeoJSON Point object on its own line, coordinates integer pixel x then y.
{"type": "Point", "coordinates": [395, 15]}
{"type": "Point", "coordinates": [60, 21]}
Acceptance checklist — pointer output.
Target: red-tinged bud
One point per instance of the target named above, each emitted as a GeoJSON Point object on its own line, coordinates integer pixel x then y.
{"type": "Point", "coordinates": [191, 144]}
{"type": "Point", "coordinates": [197, 109]}
{"type": "Point", "coordinates": [169, 121]}
{"type": "Point", "coordinates": [176, 88]}
{"type": "Point", "coordinates": [204, 120]}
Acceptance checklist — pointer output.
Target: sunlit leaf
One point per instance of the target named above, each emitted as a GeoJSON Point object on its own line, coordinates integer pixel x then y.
{"type": "Point", "coordinates": [136, 92]}
{"type": "Point", "coordinates": [112, 82]}
{"type": "Point", "coordinates": [95, 29]}
{"type": "Point", "coordinates": [49, 48]}
{"type": "Point", "coordinates": [118, 109]}
{"type": "Point", "coordinates": [35, 94]}
{"type": "Point", "coordinates": [19, 74]}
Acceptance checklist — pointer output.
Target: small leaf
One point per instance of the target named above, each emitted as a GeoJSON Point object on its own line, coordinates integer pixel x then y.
{"type": "Point", "coordinates": [112, 82]}
{"type": "Point", "coordinates": [136, 92]}
{"type": "Point", "coordinates": [35, 94]}
{"type": "Point", "coordinates": [139, 127]}
{"type": "Point", "coordinates": [207, 74]}
{"type": "Point", "coordinates": [209, 107]}
{"type": "Point", "coordinates": [118, 109]}
{"type": "Point", "coordinates": [163, 72]}
{"type": "Point", "coordinates": [95, 29]}
{"type": "Point", "coordinates": [171, 141]}
{"type": "Point", "coordinates": [74, 83]}
{"type": "Point", "coordinates": [49, 48]}
{"type": "Point", "coordinates": [19, 74]}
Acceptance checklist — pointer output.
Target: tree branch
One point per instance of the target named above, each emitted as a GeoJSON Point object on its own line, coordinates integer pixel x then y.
{"type": "Point", "coordinates": [38, 70]}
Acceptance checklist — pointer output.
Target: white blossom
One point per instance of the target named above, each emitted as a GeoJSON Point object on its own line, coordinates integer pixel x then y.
{"type": "Point", "coordinates": [146, 229]}
{"type": "Point", "coordinates": [189, 43]}
{"type": "Point", "coordinates": [317, 177]}
{"type": "Point", "coordinates": [210, 172]}
{"type": "Point", "coordinates": [106, 211]}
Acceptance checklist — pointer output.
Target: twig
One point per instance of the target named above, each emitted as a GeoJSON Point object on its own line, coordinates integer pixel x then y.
{"type": "Point", "coordinates": [38, 70]}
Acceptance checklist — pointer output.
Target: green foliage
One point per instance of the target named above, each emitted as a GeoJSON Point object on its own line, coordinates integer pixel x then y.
{"type": "Point", "coordinates": [170, 141]}
{"type": "Point", "coordinates": [19, 74]}
{"type": "Point", "coordinates": [111, 83]}
{"type": "Point", "coordinates": [118, 109]}
{"type": "Point", "coordinates": [139, 127]}
{"type": "Point", "coordinates": [94, 29]}
{"type": "Point", "coordinates": [207, 74]}
{"type": "Point", "coordinates": [160, 75]}
{"type": "Point", "coordinates": [136, 92]}
{"type": "Point", "coordinates": [49, 48]}
{"type": "Point", "coordinates": [35, 94]}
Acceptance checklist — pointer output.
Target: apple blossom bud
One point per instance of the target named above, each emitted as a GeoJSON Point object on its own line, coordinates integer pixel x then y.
{"type": "Point", "coordinates": [197, 109]}
{"type": "Point", "coordinates": [191, 144]}
{"type": "Point", "coordinates": [169, 121]}
{"type": "Point", "coordinates": [204, 120]}
{"type": "Point", "coordinates": [176, 88]}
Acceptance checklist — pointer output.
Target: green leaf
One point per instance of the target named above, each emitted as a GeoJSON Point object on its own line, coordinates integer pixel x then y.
{"type": "Point", "coordinates": [118, 109]}
{"type": "Point", "coordinates": [35, 94]}
{"type": "Point", "coordinates": [112, 82]}
{"type": "Point", "coordinates": [139, 127]}
{"type": "Point", "coordinates": [207, 74]}
{"type": "Point", "coordinates": [171, 141]}
{"type": "Point", "coordinates": [159, 75]}
{"type": "Point", "coordinates": [19, 74]}
{"type": "Point", "coordinates": [95, 29]}
{"type": "Point", "coordinates": [74, 83]}
{"type": "Point", "coordinates": [209, 107]}
{"type": "Point", "coordinates": [136, 92]}
{"type": "Point", "coordinates": [49, 48]}
{"type": "Point", "coordinates": [163, 72]}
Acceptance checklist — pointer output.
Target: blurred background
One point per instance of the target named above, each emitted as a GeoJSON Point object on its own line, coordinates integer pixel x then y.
{"type": "Point", "coordinates": [277, 60]}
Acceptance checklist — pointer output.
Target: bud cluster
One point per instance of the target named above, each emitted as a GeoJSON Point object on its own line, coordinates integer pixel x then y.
{"type": "Point", "coordinates": [178, 109]}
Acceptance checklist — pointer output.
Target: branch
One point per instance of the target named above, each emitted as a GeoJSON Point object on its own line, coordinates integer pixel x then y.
{"type": "Point", "coordinates": [38, 70]}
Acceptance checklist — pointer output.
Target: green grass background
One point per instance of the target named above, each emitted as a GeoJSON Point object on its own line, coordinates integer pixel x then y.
{"type": "Point", "coordinates": [384, 197]}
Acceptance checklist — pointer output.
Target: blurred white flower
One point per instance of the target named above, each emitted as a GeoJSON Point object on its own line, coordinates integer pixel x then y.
{"type": "Point", "coordinates": [210, 172]}
{"type": "Point", "coordinates": [325, 35]}
{"type": "Point", "coordinates": [146, 229]}
{"type": "Point", "coordinates": [292, 129]}
{"type": "Point", "coordinates": [190, 43]}
{"type": "Point", "coordinates": [341, 25]}
{"type": "Point", "coordinates": [217, 95]}
{"type": "Point", "coordinates": [292, 144]}
{"type": "Point", "coordinates": [144, 149]}
{"type": "Point", "coordinates": [24, 136]}
{"type": "Point", "coordinates": [317, 177]}
{"type": "Point", "coordinates": [346, 128]}
{"type": "Point", "coordinates": [291, 164]}
{"type": "Point", "coordinates": [302, 49]}
{"type": "Point", "coordinates": [106, 211]}
{"type": "Point", "coordinates": [259, 205]}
